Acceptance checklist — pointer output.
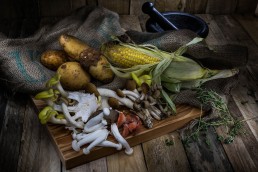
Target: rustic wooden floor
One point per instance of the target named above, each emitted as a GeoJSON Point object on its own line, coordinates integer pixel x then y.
{"type": "Point", "coordinates": [25, 145]}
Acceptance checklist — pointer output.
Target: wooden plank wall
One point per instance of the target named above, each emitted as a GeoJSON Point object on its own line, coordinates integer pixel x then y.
{"type": "Point", "coordinates": [15, 9]}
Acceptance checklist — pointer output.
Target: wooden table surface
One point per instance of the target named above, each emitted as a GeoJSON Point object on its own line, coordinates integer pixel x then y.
{"type": "Point", "coordinates": [25, 145]}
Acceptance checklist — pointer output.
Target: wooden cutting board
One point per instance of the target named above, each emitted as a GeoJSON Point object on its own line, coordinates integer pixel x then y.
{"type": "Point", "coordinates": [62, 138]}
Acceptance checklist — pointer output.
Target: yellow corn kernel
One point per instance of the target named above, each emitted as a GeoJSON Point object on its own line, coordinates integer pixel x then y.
{"type": "Point", "coordinates": [126, 57]}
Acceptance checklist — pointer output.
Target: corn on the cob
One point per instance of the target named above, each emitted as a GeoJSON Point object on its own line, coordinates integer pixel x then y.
{"type": "Point", "coordinates": [126, 57]}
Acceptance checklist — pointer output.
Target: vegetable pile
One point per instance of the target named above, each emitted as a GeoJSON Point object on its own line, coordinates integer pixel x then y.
{"type": "Point", "coordinates": [92, 113]}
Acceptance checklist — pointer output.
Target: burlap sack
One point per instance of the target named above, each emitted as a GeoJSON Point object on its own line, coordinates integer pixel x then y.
{"type": "Point", "coordinates": [22, 71]}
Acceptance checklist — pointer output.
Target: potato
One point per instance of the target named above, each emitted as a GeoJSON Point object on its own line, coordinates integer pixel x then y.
{"type": "Point", "coordinates": [101, 72]}
{"type": "Point", "coordinates": [73, 77]}
{"type": "Point", "coordinates": [72, 46]}
{"type": "Point", "coordinates": [91, 60]}
{"type": "Point", "coordinates": [52, 59]}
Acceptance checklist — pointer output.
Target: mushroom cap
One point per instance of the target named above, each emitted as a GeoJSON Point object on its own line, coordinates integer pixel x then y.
{"type": "Point", "coordinates": [145, 88]}
{"type": "Point", "coordinates": [113, 102]}
{"type": "Point", "coordinates": [120, 93]}
{"type": "Point", "coordinates": [112, 117]}
{"type": "Point", "coordinates": [130, 85]}
{"type": "Point", "coordinates": [54, 80]}
{"type": "Point", "coordinates": [45, 94]}
{"type": "Point", "coordinates": [91, 88]}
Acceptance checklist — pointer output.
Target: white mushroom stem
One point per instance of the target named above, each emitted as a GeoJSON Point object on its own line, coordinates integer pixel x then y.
{"type": "Point", "coordinates": [95, 120]}
{"type": "Point", "coordinates": [136, 91]}
{"type": "Point", "coordinates": [131, 97]}
{"type": "Point", "coordinates": [157, 117]}
{"type": "Point", "coordinates": [61, 90]}
{"type": "Point", "coordinates": [120, 139]}
{"type": "Point", "coordinates": [79, 136]}
{"type": "Point", "coordinates": [94, 138]}
{"type": "Point", "coordinates": [104, 102]}
{"type": "Point", "coordinates": [155, 112]}
{"type": "Point", "coordinates": [106, 111]}
{"type": "Point", "coordinates": [55, 120]}
{"type": "Point", "coordinates": [69, 118]}
{"type": "Point", "coordinates": [142, 96]}
{"type": "Point", "coordinates": [107, 143]}
{"type": "Point", "coordinates": [100, 138]}
{"type": "Point", "coordinates": [93, 128]}
{"type": "Point", "coordinates": [110, 93]}
{"type": "Point", "coordinates": [131, 94]}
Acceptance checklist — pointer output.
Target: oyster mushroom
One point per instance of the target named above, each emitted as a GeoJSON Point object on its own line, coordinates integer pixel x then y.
{"type": "Point", "coordinates": [48, 114]}
{"type": "Point", "coordinates": [93, 138]}
{"type": "Point", "coordinates": [120, 139]}
{"type": "Point", "coordinates": [55, 82]}
{"type": "Point", "coordinates": [95, 123]}
{"type": "Point", "coordinates": [110, 93]}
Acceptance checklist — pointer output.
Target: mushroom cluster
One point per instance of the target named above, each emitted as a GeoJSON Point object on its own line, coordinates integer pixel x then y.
{"type": "Point", "coordinates": [145, 101]}
{"type": "Point", "coordinates": [77, 110]}
{"type": "Point", "coordinates": [91, 112]}
{"type": "Point", "coordinates": [95, 133]}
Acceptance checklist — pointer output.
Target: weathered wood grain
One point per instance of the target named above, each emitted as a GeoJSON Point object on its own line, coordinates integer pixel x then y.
{"type": "Point", "coordinates": [235, 34]}
{"type": "Point", "coordinates": [166, 153]}
{"type": "Point", "coordinates": [250, 24]}
{"type": "Point", "coordinates": [5, 26]}
{"type": "Point", "coordinates": [242, 152]}
{"type": "Point", "coordinates": [56, 8]}
{"type": "Point", "coordinates": [36, 151]}
{"type": "Point", "coordinates": [11, 132]}
{"type": "Point", "coordinates": [3, 103]}
{"type": "Point", "coordinates": [119, 6]}
{"type": "Point", "coordinates": [246, 6]}
{"type": "Point", "coordinates": [207, 154]}
{"type": "Point", "coordinates": [215, 36]}
{"type": "Point", "coordinates": [99, 165]}
{"type": "Point", "coordinates": [77, 4]}
{"type": "Point", "coordinates": [15, 29]}
{"type": "Point", "coordinates": [195, 6]}
{"type": "Point", "coordinates": [7, 9]}
{"type": "Point", "coordinates": [221, 6]}
{"type": "Point", "coordinates": [256, 11]}
{"type": "Point", "coordinates": [29, 27]}
{"type": "Point", "coordinates": [246, 102]}
{"type": "Point", "coordinates": [122, 162]}
{"type": "Point", "coordinates": [167, 5]}
{"type": "Point", "coordinates": [92, 2]}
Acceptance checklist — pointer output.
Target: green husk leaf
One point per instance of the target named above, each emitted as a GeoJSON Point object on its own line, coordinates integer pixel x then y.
{"type": "Point", "coordinates": [168, 100]}
{"type": "Point", "coordinates": [173, 87]}
{"type": "Point", "coordinates": [184, 71]}
{"type": "Point", "coordinates": [199, 82]}
{"type": "Point", "coordinates": [159, 69]}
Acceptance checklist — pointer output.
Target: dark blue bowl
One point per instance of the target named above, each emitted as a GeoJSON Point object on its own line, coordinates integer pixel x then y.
{"type": "Point", "coordinates": [182, 21]}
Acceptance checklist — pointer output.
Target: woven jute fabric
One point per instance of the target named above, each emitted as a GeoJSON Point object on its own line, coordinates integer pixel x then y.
{"type": "Point", "coordinates": [21, 70]}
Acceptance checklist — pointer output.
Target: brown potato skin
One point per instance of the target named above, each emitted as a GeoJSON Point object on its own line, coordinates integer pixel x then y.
{"type": "Point", "coordinates": [73, 77]}
{"type": "Point", "coordinates": [101, 72]}
{"type": "Point", "coordinates": [72, 46]}
{"type": "Point", "coordinates": [52, 59]}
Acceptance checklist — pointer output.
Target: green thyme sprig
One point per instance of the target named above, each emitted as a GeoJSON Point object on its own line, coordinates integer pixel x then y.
{"type": "Point", "coordinates": [234, 127]}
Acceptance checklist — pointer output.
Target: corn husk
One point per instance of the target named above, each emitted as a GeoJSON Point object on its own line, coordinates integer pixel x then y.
{"type": "Point", "coordinates": [174, 71]}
